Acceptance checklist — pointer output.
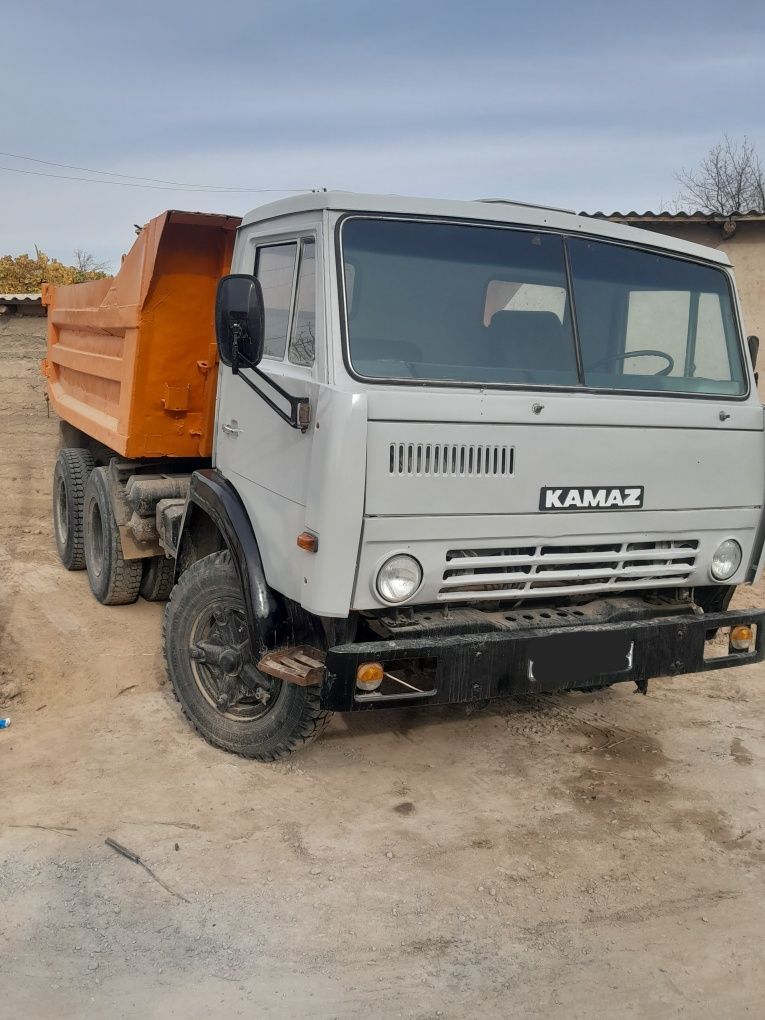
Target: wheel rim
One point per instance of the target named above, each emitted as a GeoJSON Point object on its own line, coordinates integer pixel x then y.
{"type": "Point", "coordinates": [61, 511]}
{"type": "Point", "coordinates": [222, 667]}
{"type": "Point", "coordinates": [95, 538]}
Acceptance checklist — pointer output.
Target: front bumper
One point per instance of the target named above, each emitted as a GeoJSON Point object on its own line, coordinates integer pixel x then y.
{"type": "Point", "coordinates": [469, 667]}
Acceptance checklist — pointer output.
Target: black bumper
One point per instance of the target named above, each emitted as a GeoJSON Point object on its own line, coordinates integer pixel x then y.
{"type": "Point", "coordinates": [477, 667]}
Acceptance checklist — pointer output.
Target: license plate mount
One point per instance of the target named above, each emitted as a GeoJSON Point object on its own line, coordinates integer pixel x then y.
{"type": "Point", "coordinates": [580, 659]}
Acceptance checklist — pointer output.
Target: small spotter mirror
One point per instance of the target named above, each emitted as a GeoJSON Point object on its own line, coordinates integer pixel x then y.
{"type": "Point", "coordinates": [239, 325]}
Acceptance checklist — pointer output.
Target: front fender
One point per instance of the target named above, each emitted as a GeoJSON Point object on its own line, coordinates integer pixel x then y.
{"type": "Point", "coordinates": [212, 498]}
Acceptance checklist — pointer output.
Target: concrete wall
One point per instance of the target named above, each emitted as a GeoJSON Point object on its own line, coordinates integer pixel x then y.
{"type": "Point", "coordinates": [746, 250]}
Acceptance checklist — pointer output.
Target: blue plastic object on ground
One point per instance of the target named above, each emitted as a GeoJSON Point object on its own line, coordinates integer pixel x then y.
{"type": "Point", "coordinates": [4, 723]}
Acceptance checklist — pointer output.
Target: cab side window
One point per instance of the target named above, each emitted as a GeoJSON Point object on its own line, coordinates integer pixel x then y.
{"type": "Point", "coordinates": [302, 349]}
{"type": "Point", "coordinates": [287, 275]}
{"type": "Point", "coordinates": [275, 269]}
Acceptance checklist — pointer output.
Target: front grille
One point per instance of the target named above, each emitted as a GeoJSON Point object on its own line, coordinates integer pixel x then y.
{"type": "Point", "coordinates": [450, 459]}
{"type": "Point", "coordinates": [547, 570]}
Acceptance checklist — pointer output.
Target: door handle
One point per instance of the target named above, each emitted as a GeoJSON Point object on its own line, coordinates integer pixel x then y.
{"type": "Point", "coordinates": [232, 428]}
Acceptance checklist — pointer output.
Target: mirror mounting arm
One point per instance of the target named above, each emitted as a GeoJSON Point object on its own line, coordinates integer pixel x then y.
{"type": "Point", "coordinates": [299, 415]}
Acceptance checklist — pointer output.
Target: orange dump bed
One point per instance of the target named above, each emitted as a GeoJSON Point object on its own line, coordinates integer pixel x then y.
{"type": "Point", "coordinates": [132, 360]}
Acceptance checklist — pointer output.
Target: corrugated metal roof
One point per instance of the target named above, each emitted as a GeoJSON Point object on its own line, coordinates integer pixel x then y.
{"type": "Point", "coordinates": [699, 216]}
{"type": "Point", "coordinates": [17, 299]}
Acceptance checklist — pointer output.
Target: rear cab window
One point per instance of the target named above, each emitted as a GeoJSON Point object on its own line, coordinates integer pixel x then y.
{"type": "Point", "coordinates": [505, 295]}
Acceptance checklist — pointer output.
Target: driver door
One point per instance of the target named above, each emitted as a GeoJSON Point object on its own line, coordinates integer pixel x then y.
{"type": "Point", "coordinates": [264, 458]}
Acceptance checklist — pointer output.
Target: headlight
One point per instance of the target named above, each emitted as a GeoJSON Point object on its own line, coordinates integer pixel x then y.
{"type": "Point", "coordinates": [726, 560]}
{"type": "Point", "coordinates": [399, 578]}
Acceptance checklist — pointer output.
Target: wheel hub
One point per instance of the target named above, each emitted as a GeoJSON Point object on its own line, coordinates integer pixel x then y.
{"type": "Point", "coordinates": [230, 660]}
{"type": "Point", "coordinates": [224, 668]}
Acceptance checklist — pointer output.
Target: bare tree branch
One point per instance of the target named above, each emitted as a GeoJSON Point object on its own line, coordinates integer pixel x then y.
{"type": "Point", "coordinates": [84, 262]}
{"type": "Point", "coordinates": [730, 179]}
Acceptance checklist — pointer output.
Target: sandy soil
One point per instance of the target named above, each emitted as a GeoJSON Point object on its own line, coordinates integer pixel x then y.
{"type": "Point", "coordinates": [563, 857]}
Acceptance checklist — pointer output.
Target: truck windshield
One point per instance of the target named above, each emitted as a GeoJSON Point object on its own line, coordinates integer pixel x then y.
{"type": "Point", "coordinates": [434, 301]}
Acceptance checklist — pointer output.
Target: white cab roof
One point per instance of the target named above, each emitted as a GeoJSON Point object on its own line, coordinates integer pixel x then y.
{"type": "Point", "coordinates": [491, 211]}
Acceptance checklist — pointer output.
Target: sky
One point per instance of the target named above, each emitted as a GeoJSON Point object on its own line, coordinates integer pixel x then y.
{"type": "Point", "coordinates": [586, 105]}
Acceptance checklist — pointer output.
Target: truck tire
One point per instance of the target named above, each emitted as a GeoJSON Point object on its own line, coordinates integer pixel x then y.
{"type": "Point", "coordinates": [70, 476]}
{"type": "Point", "coordinates": [158, 578]}
{"type": "Point", "coordinates": [207, 606]}
{"type": "Point", "coordinates": [114, 580]}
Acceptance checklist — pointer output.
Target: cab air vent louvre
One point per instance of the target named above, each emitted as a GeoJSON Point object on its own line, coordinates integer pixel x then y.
{"type": "Point", "coordinates": [448, 460]}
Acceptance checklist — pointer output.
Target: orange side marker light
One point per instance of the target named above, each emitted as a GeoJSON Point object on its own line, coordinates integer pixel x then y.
{"type": "Point", "coordinates": [307, 541]}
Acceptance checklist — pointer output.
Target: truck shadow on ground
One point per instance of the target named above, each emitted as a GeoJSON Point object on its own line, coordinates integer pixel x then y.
{"type": "Point", "coordinates": [535, 712]}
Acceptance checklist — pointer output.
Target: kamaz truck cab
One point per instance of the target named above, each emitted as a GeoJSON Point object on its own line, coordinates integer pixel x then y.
{"type": "Point", "coordinates": [462, 450]}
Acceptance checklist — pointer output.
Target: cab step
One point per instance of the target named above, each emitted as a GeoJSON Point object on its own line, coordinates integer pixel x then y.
{"type": "Point", "coordinates": [302, 665]}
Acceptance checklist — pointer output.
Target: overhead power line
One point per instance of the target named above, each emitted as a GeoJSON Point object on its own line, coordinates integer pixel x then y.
{"type": "Point", "coordinates": [131, 177]}
{"type": "Point", "coordinates": [157, 185]}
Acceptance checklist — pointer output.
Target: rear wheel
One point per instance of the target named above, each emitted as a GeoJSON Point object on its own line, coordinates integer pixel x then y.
{"type": "Point", "coordinates": [158, 578]}
{"type": "Point", "coordinates": [113, 579]}
{"type": "Point", "coordinates": [210, 665]}
{"type": "Point", "coordinates": [70, 476]}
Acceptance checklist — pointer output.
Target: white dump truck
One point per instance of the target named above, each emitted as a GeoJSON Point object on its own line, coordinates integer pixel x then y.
{"type": "Point", "coordinates": [443, 452]}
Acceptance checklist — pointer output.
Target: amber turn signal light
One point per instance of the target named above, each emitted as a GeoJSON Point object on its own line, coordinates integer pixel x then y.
{"type": "Point", "coordinates": [307, 541]}
{"type": "Point", "coordinates": [369, 676]}
{"type": "Point", "coordinates": [741, 637]}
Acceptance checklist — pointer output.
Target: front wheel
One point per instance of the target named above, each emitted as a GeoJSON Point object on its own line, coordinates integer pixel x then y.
{"type": "Point", "coordinates": [209, 663]}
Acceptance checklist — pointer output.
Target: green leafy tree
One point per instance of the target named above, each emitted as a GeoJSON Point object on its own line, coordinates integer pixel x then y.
{"type": "Point", "coordinates": [24, 274]}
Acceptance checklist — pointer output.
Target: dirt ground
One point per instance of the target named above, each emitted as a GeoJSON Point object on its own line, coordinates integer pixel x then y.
{"type": "Point", "coordinates": [561, 857]}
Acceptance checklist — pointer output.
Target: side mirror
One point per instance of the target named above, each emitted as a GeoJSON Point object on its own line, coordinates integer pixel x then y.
{"type": "Point", "coordinates": [239, 325]}
{"type": "Point", "coordinates": [753, 343]}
